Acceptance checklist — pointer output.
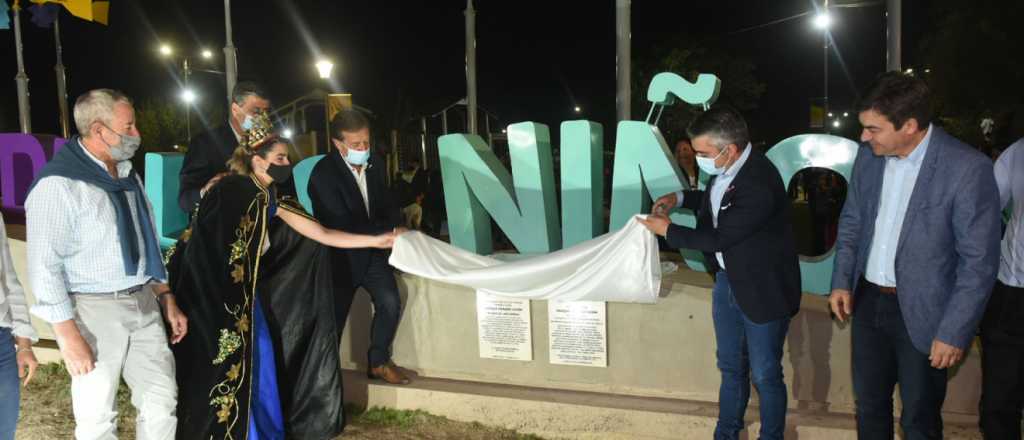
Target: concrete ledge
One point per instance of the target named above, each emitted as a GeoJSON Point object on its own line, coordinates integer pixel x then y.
{"type": "Point", "coordinates": [587, 415]}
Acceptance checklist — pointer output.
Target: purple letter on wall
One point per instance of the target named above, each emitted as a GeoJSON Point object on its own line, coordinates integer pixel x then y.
{"type": "Point", "coordinates": [21, 158]}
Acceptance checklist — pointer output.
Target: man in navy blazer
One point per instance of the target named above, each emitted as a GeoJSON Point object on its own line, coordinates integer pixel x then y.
{"type": "Point", "coordinates": [916, 257]}
{"type": "Point", "coordinates": [208, 153]}
{"type": "Point", "coordinates": [349, 194]}
{"type": "Point", "coordinates": [745, 229]}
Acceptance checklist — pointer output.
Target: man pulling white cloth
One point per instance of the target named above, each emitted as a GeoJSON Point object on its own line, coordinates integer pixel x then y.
{"type": "Point", "coordinates": [621, 266]}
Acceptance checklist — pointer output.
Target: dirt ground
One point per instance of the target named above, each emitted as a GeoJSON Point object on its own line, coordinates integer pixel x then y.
{"type": "Point", "coordinates": [46, 414]}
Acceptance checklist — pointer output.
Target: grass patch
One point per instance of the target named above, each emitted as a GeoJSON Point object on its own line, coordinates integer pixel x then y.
{"type": "Point", "coordinates": [46, 414]}
{"type": "Point", "coordinates": [46, 411]}
{"type": "Point", "coordinates": [402, 419]}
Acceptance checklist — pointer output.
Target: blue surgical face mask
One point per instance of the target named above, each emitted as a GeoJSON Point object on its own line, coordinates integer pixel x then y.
{"type": "Point", "coordinates": [707, 164]}
{"type": "Point", "coordinates": [247, 123]}
{"type": "Point", "coordinates": [357, 157]}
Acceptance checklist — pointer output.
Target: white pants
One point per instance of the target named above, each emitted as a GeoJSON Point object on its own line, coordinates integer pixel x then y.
{"type": "Point", "coordinates": [126, 334]}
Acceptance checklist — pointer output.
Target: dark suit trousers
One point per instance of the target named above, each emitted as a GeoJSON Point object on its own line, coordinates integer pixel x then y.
{"type": "Point", "coordinates": [379, 282]}
{"type": "Point", "coordinates": [1002, 364]}
{"type": "Point", "coordinates": [884, 355]}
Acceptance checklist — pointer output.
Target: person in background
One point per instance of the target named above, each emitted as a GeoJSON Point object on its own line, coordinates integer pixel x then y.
{"type": "Point", "coordinates": [1002, 327]}
{"type": "Point", "coordinates": [16, 338]}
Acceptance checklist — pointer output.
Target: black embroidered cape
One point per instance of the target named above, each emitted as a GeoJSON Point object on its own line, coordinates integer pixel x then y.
{"type": "Point", "coordinates": [215, 270]}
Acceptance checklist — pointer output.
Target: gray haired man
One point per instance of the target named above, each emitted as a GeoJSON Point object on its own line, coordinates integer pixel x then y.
{"type": "Point", "coordinates": [97, 274]}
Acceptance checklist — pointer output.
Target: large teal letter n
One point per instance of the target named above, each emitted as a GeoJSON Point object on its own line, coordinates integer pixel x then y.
{"type": "Point", "coordinates": [477, 187]}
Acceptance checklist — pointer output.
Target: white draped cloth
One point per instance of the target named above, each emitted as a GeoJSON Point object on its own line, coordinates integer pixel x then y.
{"type": "Point", "coordinates": [620, 266]}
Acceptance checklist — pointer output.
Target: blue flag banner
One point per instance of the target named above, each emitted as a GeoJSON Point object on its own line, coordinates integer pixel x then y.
{"type": "Point", "coordinates": [44, 15]}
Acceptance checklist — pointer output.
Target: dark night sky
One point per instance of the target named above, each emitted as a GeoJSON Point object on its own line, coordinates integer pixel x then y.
{"type": "Point", "coordinates": [534, 56]}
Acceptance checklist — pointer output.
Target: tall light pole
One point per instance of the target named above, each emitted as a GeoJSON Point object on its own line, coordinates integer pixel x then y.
{"type": "Point", "coordinates": [623, 59]}
{"type": "Point", "coordinates": [188, 96]}
{"type": "Point", "coordinates": [230, 55]}
{"type": "Point", "coordinates": [62, 85]}
{"type": "Point", "coordinates": [470, 67]}
{"type": "Point", "coordinates": [893, 32]}
{"type": "Point", "coordinates": [24, 115]}
{"type": "Point", "coordinates": [823, 21]}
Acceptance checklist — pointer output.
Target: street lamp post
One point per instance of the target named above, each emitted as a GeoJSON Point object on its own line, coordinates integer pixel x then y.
{"type": "Point", "coordinates": [823, 21]}
{"type": "Point", "coordinates": [324, 68]}
{"type": "Point", "coordinates": [230, 55]}
{"type": "Point", "coordinates": [188, 96]}
{"type": "Point", "coordinates": [21, 79]}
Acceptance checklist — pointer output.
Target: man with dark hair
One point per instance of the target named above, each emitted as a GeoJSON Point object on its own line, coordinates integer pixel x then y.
{"type": "Point", "coordinates": [349, 194]}
{"type": "Point", "coordinates": [208, 153]}
{"type": "Point", "coordinates": [744, 229]}
{"type": "Point", "coordinates": [916, 257]}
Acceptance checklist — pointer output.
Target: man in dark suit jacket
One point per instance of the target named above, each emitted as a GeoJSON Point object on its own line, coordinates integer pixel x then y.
{"type": "Point", "coordinates": [348, 193]}
{"type": "Point", "coordinates": [208, 153]}
{"type": "Point", "coordinates": [744, 229]}
{"type": "Point", "coordinates": [916, 257]}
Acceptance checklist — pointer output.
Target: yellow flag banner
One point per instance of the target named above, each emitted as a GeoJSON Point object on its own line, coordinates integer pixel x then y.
{"type": "Point", "coordinates": [101, 12]}
{"type": "Point", "coordinates": [79, 8]}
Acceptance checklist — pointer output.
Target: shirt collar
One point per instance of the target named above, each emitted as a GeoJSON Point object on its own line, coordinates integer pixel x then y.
{"type": "Point", "coordinates": [916, 157]}
{"type": "Point", "coordinates": [735, 167]}
{"type": "Point", "coordinates": [124, 167]}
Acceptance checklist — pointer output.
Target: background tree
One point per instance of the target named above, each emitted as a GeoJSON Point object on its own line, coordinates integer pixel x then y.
{"type": "Point", "coordinates": [162, 125]}
{"type": "Point", "coordinates": [975, 67]}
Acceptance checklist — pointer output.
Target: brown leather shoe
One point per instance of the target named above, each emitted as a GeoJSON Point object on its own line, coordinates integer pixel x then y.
{"type": "Point", "coordinates": [389, 373]}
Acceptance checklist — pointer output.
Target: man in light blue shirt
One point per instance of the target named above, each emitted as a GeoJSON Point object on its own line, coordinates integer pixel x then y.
{"type": "Point", "coordinates": [1002, 328]}
{"type": "Point", "coordinates": [898, 184]}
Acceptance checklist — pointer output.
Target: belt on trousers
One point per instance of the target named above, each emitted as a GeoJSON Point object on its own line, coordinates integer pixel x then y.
{"type": "Point", "coordinates": [123, 292]}
{"type": "Point", "coordinates": [883, 289]}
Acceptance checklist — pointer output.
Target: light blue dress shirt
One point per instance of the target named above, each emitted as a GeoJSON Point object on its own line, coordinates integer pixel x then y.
{"type": "Point", "coordinates": [1009, 172]}
{"type": "Point", "coordinates": [897, 187]}
{"type": "Point", "coordinates": [718, 189]}
{"type": "Point", "coordinates": [72, 242]}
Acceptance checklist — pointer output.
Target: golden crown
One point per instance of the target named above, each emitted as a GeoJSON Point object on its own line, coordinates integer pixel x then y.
{"type": "Point", "coordinates": [262, 130]}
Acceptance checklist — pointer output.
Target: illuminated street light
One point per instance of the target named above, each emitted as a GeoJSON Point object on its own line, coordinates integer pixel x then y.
{"type": "Point", "coordinates": [188, 96]}
{"type": "Point", "coordinates": [846, 114]}
{"type": "Point", "coordinates": [207, 54]}
{"type": "Point", "coordinates": [835, 123]}
{"type": "Point", "coordinates": [287, 133]}
{"type": "Point", "coordinates": [166, 50]}
{"type": "Point", "coordinates": [822, 20]}
{"type": "Point", "coordinates": [830, 114]}
{"type": "Point", "coordinates": [324, 68]}
{"type": "Point", "coordinates": [578, 109]}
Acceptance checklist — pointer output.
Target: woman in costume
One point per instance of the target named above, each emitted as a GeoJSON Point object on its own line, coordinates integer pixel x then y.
{"type": "Point", "coordinates": [253, 275]}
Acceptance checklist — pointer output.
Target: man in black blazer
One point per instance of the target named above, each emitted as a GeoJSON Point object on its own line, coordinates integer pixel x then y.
{"type": "Point", "coordinates": [208, 153]}
{"type": "Point", "coordinates": [348, 193]}
{"type": "Point", "coordinates": [744, 230]}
